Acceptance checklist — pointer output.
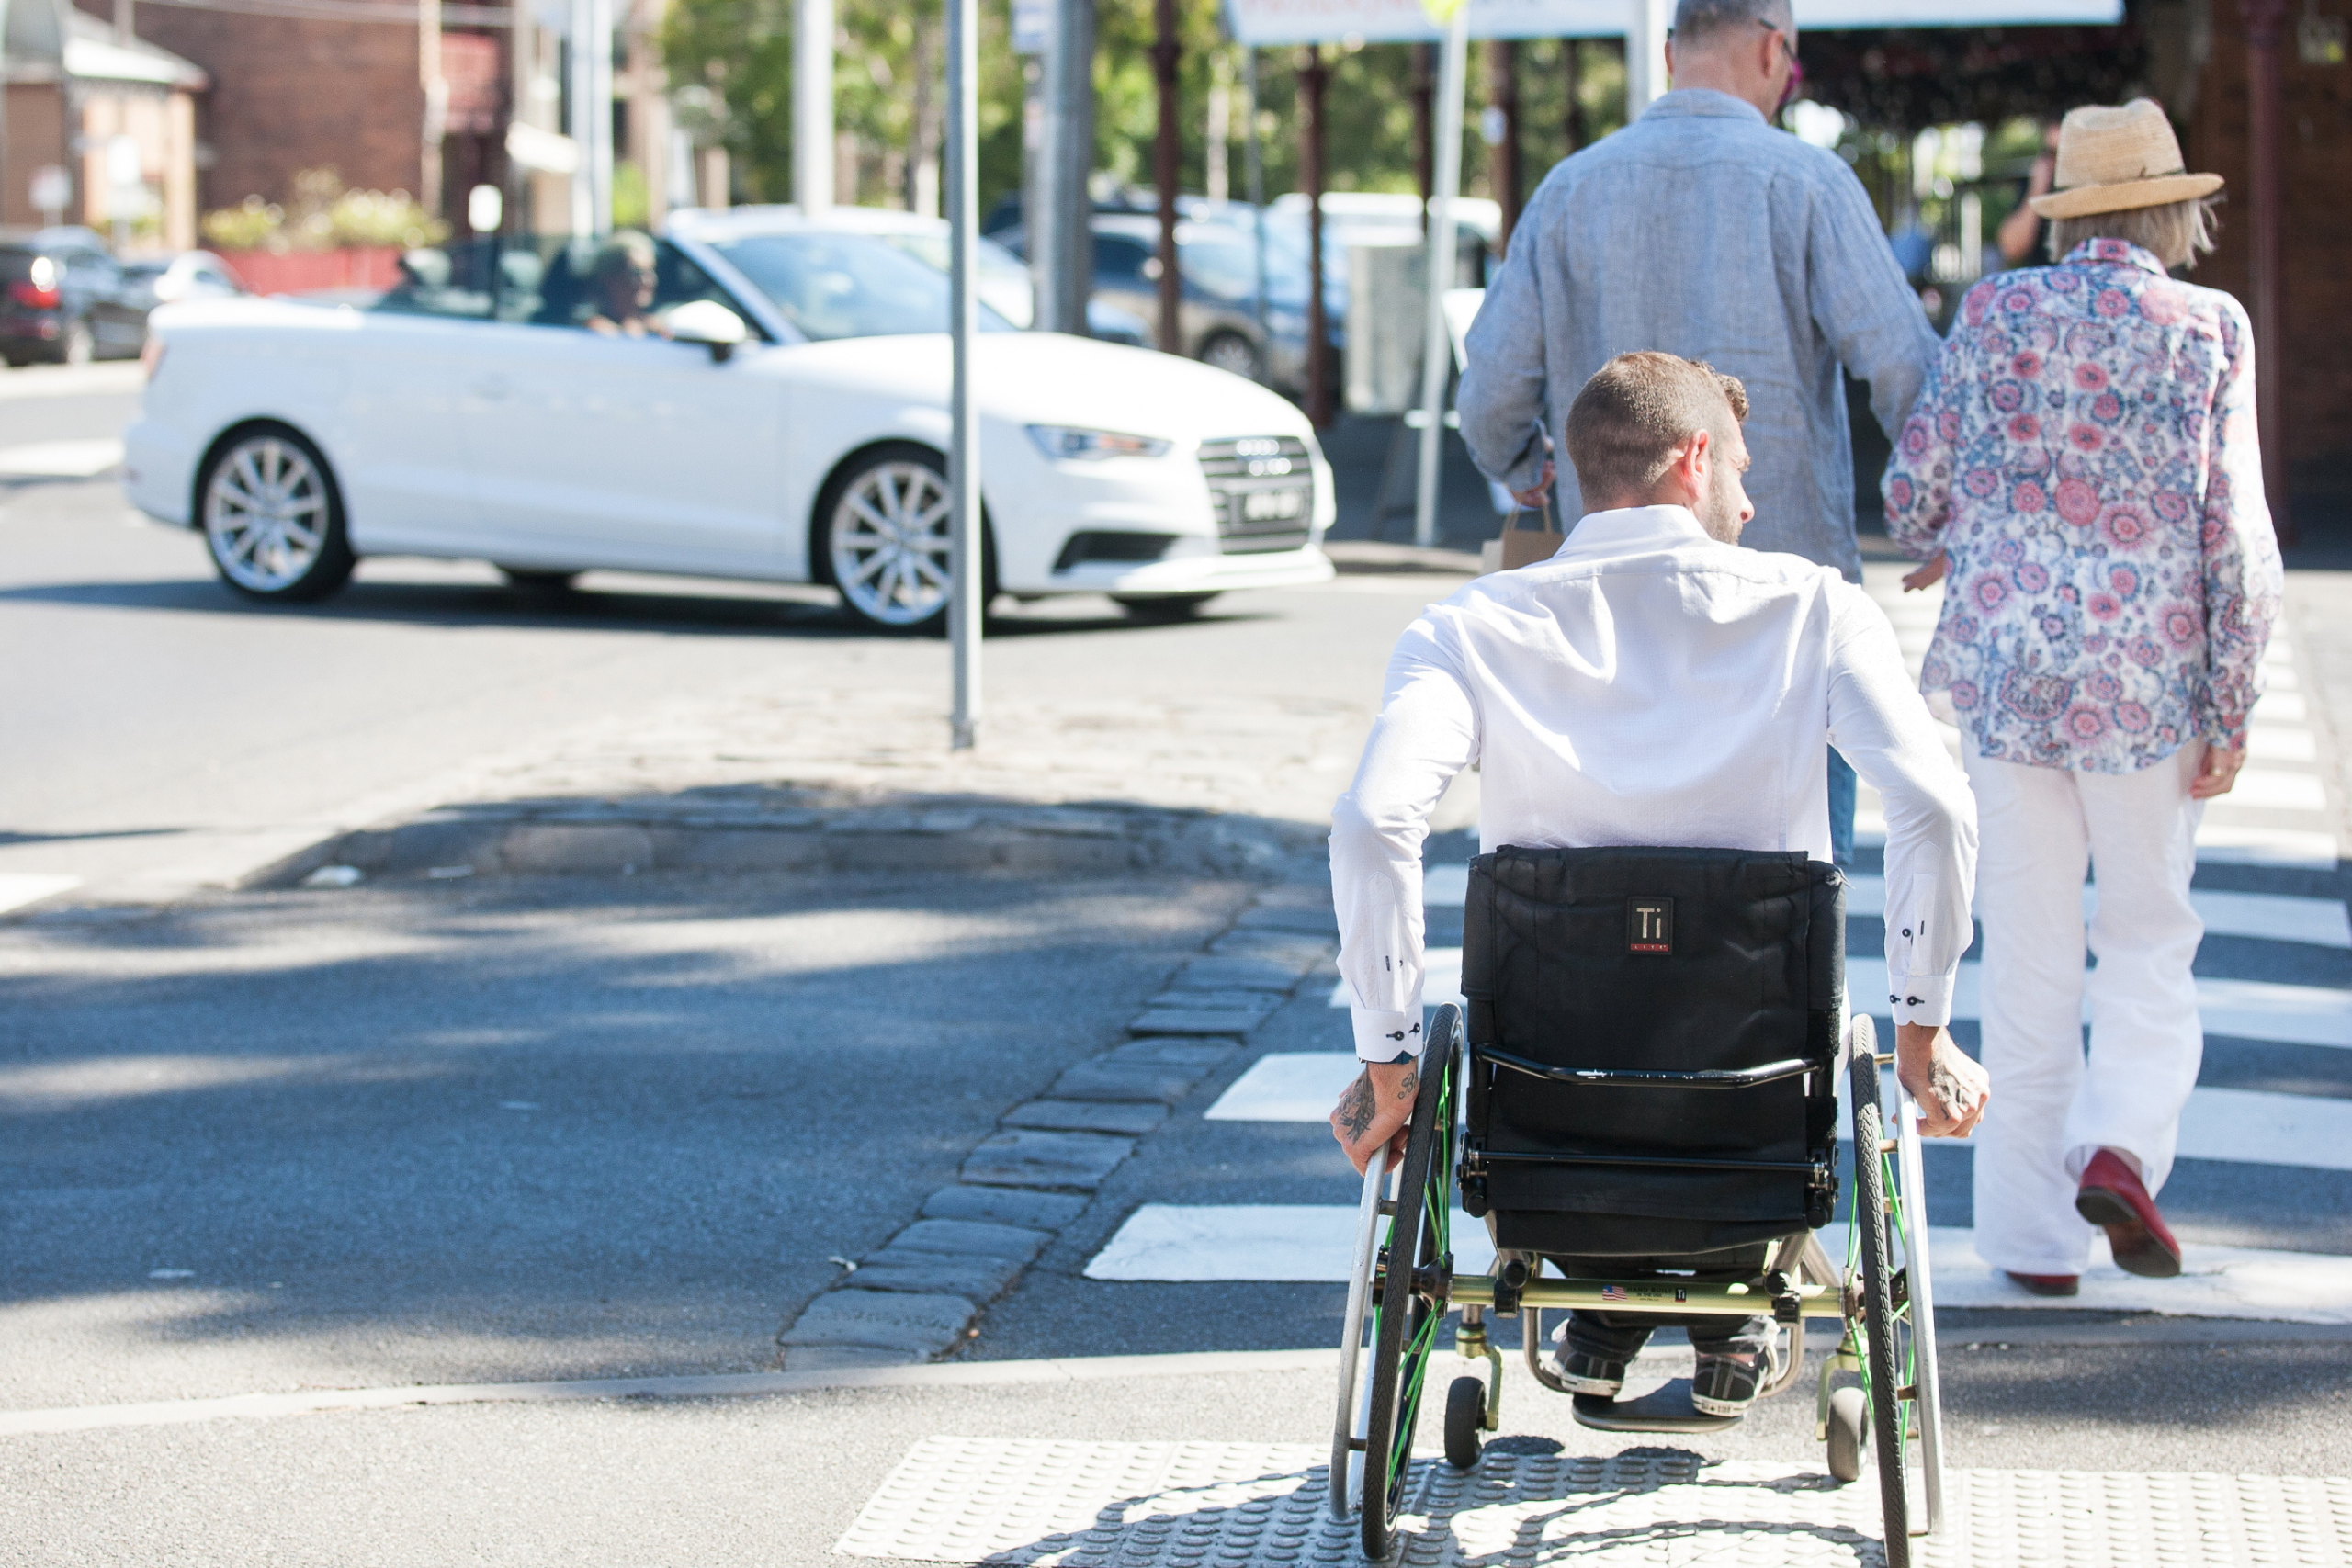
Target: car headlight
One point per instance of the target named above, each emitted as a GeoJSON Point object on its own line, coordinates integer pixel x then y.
{"type": "Point", "coordinates": [1065, 443]}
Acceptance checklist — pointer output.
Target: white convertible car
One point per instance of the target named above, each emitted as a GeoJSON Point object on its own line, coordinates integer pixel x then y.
{"type": "Point", "coordinates": [750, 397]}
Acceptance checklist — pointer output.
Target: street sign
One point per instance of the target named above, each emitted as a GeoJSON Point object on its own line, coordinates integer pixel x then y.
{"type": "Point", "coordinates": [52, 190]}
{"type": "Point", "coordinates": [1033, 22]}
{"type": "Point", "coordinates": [1259, 22]}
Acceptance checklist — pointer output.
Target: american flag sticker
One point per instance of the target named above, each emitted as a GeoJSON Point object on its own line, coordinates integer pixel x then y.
{"type": "Point", "coordinates": [1613, 1294]}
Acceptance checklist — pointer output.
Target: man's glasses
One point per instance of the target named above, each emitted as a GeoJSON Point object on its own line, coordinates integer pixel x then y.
{"type": "Point", "coordinates": [1796, 66]}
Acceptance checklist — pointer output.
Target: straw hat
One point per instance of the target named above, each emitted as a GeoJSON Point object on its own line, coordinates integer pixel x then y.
{"type": "Point", "coordinates": [2111, 160]}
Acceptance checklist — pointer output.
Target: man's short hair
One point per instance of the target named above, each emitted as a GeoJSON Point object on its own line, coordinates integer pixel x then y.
{"type": "Point", "coordinates": [1703, 21]}
{"type": "Point", "coordinates": [1638, 411]}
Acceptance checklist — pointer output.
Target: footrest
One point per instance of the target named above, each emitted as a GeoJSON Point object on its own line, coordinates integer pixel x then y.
{"type": "Point", "coordinates": [1667, 1409]}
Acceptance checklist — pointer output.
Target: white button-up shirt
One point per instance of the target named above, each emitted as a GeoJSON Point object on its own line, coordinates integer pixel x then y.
{"type": "Point", "coordinates": [1648, 685]}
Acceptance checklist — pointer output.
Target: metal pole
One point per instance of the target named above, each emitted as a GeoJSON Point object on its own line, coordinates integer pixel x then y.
{"type": "Point", "coordinates": [600, 115]}
{"type": "Point", "coordinates": [1645, 76]}
{"type": "Point", "coordinates": [1437, 344]}
{"type": "Point", "coordinates": [1165, 54]}
{"type": "Point", "coordinates": [2266, 20]}
{"type": "Point", "coordinates": [812, 104]}
{"type": "Point", "coordinates": [966, 561]}
{"type": "Point", "coordinates": [1064, 279]}
{"type": "Point", "coordinates": [1257, 170]}
{"type": "Point", "coordinates": [583, 86]}
{"type": "Point", "coordinates": [1313, 76]}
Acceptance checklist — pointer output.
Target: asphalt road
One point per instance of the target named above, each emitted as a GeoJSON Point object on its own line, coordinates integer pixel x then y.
{"type": "Point", "coordinates": [510, 1130]}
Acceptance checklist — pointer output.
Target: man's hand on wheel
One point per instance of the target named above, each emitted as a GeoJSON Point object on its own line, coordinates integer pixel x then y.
{"type": "Point", "coordinates": [1950, 1088]}
{"type": "Point", "coordinates": [1375, 1110]}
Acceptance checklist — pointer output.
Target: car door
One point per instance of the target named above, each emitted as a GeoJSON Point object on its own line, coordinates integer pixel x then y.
{"type": "Point", "coordinates": [590, 450]}
{"type": "Point", "coordinates": [118, 325]}
{"type": "Point", "coordinates": [1123, 276]}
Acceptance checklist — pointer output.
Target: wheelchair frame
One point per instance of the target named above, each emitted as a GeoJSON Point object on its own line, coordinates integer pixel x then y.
{"type": "Point", "coordinates": [1882, 1299]}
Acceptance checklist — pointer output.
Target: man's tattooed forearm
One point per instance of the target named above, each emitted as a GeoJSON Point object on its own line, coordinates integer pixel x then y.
{"type": "Point", "coordinates": [1409, 1085]}
{"type": "Point", "coordinates": [1355, 1108]}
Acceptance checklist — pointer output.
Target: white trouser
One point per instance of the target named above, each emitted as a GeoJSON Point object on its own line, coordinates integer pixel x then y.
{"type": "Point", "coordinates": [2051, 1110]}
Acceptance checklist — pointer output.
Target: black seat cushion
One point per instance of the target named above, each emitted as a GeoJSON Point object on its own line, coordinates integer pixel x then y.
{"type": "Point", "coordinates": [1648, 960]}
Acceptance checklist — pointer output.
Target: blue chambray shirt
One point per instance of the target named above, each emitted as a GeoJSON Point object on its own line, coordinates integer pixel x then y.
{"type": "Point", "coordinates": [1703, 231]}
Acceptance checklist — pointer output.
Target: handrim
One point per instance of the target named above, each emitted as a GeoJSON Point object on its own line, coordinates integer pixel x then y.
{"type": "Point", "coordinates": [890, 543]}
{"type": "Point", "coordinates": [265, 514]}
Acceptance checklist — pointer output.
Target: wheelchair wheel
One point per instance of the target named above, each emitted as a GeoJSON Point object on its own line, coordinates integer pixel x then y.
{"type": "Point", "coordinates": [1412, 1299]}
{"type": "Point", "coordinates": [1849, 1415]}
{"type": "Point", "coordinates": [1465, 1422]}
{"type": "Point", "coordinates": [1883, 1361]}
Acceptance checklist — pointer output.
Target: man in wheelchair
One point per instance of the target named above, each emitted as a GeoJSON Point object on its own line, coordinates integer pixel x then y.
{"type": "Point", "coordinates": [1651, 685]}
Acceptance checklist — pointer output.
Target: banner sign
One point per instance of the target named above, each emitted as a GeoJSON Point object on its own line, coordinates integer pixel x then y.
{"type": "Point", "coordinates": [1263, 22]}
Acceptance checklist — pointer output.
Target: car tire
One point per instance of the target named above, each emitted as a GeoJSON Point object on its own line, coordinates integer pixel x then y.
{"type": "Point", "coordinates": [79, 345]}
{"type": "Point", "coordinates": [272, 517]}
{"type": "Point", "coordinates": [1231, 350]}
{"type": "Point", "coordinates": [1161, 608]}
{"type": "Point", "coordinates": [881, 540]}
{"type": "Point", "coordinates": [532, 579]}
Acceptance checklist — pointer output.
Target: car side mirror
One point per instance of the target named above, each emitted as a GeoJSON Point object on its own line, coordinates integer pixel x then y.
{"type": "Point", "coordinates": [709, 323]}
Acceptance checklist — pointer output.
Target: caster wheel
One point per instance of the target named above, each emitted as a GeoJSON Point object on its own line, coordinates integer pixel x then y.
{"type": "Point", "coordinates": [1465, 1421]}
{"type": "Point", "coordinates": [1849, 1416]}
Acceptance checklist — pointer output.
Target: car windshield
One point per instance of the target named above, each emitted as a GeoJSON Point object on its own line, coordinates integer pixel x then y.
{"type": "Point", "coordinates": [838, 286]}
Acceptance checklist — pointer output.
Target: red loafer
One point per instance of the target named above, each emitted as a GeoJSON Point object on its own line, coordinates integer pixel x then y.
{"type": "Point", "coordinates": [2113, 1199]}
{"type": "Point", "coordinates": [2047, 1284]}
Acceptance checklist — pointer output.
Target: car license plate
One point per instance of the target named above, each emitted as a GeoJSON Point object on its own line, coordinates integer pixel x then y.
{"type": "Point", "coordinates": [1272, 505]}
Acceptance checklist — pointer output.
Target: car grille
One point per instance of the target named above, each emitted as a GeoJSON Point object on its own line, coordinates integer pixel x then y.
{"type": "Point", "coordinates": [1263, 488]}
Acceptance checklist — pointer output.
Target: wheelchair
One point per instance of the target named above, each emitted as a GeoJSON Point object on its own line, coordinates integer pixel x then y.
{"type": "Point", "coordinates": [1643, 1100]}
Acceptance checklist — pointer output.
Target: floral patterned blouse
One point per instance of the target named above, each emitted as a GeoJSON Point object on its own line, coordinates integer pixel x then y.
{"type": "Point", "coordinates": [2085, 451]}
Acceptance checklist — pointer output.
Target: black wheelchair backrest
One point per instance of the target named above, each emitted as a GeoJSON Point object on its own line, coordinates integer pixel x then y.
{"type": "Point", "coordinates": [1652, 1039]}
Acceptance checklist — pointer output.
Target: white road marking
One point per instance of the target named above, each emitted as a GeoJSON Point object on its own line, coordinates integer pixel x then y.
{"type": "Point", "coordinates": [1273, 1242]}
{"type": "Point", "coordinates": [2249, 1010]}
{"type": "Point", "coordinates": [2273, 916]}
{"type": "Point", "coordinates": [72, 459]}
{"type": "Point", "coordinates": [2240, 1126]}
{"type": "Point", "coordinates": [21, 889]}
{"type": "Point", "coordinates": [2233, 843]}
{"type": "Point", "coordinates": [1444, 886]}
{"type": "Point", "coordinates": [1312, 1243]}
{"type": "Point", "coordinates": [2273, 789]}
{"type": "Point", "coordinates": [2281, 707]}
{"type": "Point", "coordinates": [2281, 743]}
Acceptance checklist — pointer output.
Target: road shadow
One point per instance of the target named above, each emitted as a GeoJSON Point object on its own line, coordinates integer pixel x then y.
{"type": "Point", "coordinates": [614, 609]}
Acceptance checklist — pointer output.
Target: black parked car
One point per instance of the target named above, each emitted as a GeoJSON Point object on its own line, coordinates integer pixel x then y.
{"type": "Point", "coordinates": [64, 300]}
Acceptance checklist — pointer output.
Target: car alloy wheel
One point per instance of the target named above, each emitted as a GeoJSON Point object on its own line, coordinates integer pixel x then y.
{"type": "Point", "coordinates": [270, 518]}
{"type": "Point", "coordinates": [889, 544]}
{"type": "Point", "coordinates": [1230, 351]}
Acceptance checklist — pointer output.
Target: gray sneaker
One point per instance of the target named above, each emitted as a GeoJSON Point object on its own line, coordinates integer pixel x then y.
{"type": "Point", "coordinates": [1589, 1371]}
{"type": "Point", "coordinates": [1726, 1385]}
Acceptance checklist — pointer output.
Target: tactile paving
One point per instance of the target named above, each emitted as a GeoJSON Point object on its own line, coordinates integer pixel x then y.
{"type": "Point", "coordinates": [1081, 1505]}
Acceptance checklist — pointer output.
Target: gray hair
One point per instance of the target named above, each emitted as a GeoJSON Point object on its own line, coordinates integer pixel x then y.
{"type": "Point", "coordinates": [1700, 21]}
{"type": "Point", "coordinates": [2177, 233]}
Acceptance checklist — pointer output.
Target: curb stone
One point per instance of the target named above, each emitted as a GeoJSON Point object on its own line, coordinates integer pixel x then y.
{"type": "Point", "coordinates": [1035, 1174]}
{"type": "Point", "coordinates": [764, 828]}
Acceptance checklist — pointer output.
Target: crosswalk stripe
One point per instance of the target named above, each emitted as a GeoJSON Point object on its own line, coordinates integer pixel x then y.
{"type": "Point", "coordinates": [2248, 1009]}
{"type": "Point", "coordinates": [21, 889]}
{"type": "Point", "coordinates": [2240, 1126]}
{"type": "Point", "coordinates": [2272, 917]}
{"type": "Point", "coordinates": [1312, 1244]}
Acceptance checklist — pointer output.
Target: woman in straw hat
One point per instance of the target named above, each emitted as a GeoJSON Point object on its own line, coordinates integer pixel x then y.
{"type": "Point", "coordinates": [2083, 466]}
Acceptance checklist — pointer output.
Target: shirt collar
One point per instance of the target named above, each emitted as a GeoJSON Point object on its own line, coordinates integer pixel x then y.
{"type": "Point", "coordinates": [1703, 102]}
{"type": "Point", "coordinates": [2115, 252]}
{"type": "Point", "coordinates": [1631, 530]}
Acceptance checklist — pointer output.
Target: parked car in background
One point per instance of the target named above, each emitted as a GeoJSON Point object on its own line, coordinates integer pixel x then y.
{"type": "Point", "coordinates": [191, 274]}
{"type": "Point", "coordinates": [754, 396]}
{"type": "Point", "coordinates": [1218, 264]}
{"type": "Point", "coordinates": [63, 300]}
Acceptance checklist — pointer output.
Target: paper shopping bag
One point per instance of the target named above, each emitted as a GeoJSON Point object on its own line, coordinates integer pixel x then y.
{"type": "Point", "coordinates": [1518, 547]}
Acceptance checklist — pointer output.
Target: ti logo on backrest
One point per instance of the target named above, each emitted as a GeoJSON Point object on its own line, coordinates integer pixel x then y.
{"type": "Point", "coordinates": [1649, 925]}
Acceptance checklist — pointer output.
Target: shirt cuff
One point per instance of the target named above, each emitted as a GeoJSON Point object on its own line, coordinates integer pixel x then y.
{"type": "Point", "coordinates": [1923, 1000]}
{"type": "Point", "coordinates": [1384, 1036]}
